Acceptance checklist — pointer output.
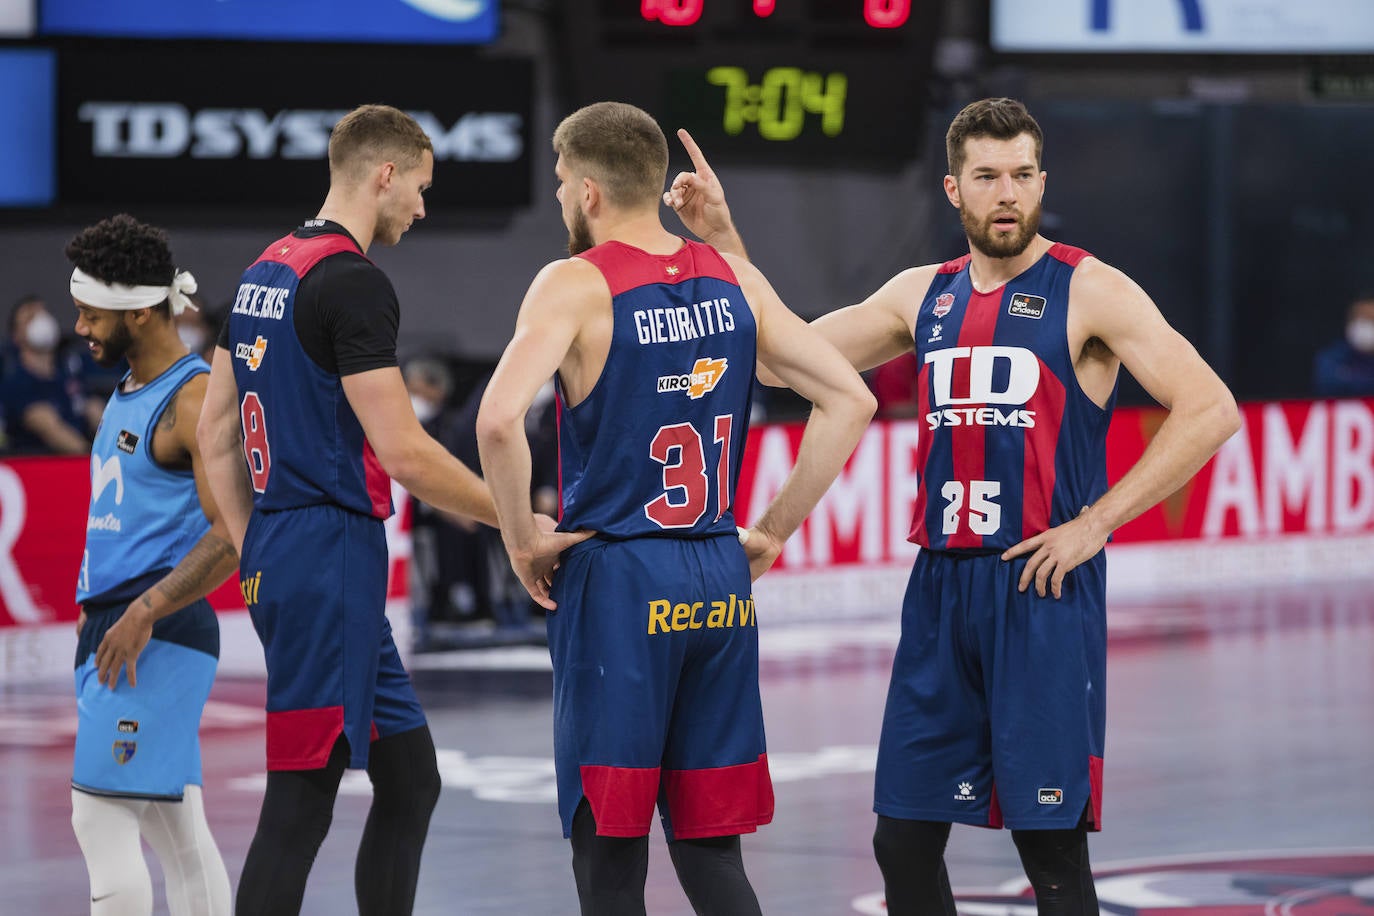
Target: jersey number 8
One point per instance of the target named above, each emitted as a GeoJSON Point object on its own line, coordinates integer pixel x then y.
{"type": "Point", "coordinates": [255, 447]}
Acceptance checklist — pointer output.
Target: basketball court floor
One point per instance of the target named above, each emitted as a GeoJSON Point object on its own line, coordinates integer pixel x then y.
{"type": "Point", "coordinates": [1239, 774]}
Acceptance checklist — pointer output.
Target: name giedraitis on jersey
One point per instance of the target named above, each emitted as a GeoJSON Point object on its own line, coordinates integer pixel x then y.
{"type": "Point", "coordinates": [684, 322]}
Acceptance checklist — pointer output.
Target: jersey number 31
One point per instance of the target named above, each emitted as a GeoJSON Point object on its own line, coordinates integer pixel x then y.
{"type": "Point", "coordinates": [686, 486]}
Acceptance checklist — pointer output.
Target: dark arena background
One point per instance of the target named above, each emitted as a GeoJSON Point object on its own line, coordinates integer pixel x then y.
{"type": "Point", "coordinates": [1218, 151]}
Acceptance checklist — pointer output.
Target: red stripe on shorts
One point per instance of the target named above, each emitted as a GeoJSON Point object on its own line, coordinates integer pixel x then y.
{"type": "Point", "coordinates": [301, 739]}
{"type": "Point", "coordinates": [621, 798]}
{"type": "Point", "coordinates": [720, 801]}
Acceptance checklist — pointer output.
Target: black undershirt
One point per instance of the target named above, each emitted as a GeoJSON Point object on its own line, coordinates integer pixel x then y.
{"type": "Point", "coordinates": [345, 313]}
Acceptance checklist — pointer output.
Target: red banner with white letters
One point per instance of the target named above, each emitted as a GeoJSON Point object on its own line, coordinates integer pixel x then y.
{"type": "Point", "coordinates": [43, 513]}
{"type": "Point", "coordinates": [1296, 468]}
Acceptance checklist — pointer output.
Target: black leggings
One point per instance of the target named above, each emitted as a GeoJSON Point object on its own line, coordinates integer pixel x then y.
{"type": "Point", "coordinates": [911, 857]}
{"type": "Point", "coordinates": [298, 808]}
{"type": "Point", "coordinates": [610, 872]}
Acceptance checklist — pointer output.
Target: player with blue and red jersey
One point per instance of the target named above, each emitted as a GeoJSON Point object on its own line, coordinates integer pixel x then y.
{"type": "Point", "coordinates": [306, 419]}
{"type": "Point", "coordinates": [995, 715]}
{"type": "Point", "coordinates": [654, 638]}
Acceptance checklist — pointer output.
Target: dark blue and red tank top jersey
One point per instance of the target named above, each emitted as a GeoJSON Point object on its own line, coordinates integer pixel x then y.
{"type": "Point", "coordinates": [303, 443]}
{"type": "Point", "coordinates": [1010, 444]}
{"type": "Point", "coordinates": [654, 449]}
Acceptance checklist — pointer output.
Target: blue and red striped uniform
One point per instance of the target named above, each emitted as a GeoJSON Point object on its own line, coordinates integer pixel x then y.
{"type": "Point", "coordinates": [314, 561]}
{"type": "Point", "coordinates": [996, 712]}
{"type": "Point", "coordinates": [654, 643]}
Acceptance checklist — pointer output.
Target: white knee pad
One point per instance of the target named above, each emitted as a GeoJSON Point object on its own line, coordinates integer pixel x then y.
{"type": "Point", "coordinates": [108, 833]}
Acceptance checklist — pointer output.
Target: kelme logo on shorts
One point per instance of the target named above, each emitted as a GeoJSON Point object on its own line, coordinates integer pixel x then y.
{"type": "Point", "coordinates": [1051, 796]}
{"type": "Point", "coordinates": [252, 353]}
{"type": "Point", "coordinates": [705, 375]}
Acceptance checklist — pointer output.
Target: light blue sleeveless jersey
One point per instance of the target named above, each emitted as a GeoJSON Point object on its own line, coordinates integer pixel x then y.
{"type": "Point", "coordinates": [143, 517]}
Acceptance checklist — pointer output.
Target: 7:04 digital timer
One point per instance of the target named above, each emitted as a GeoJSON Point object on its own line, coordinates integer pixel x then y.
{"type": "Point", "coordinates": [780, 101]}
{"type": "Point", "coordinates": [805, 82]}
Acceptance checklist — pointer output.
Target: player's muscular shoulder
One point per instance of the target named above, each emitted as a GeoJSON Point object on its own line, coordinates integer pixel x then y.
{"type": "Point", "coordinates": [174, 437]}
{"type": "Point", "coordinates": [902, 296]}
{"type": "Point", "coordinates": [1102, 302]}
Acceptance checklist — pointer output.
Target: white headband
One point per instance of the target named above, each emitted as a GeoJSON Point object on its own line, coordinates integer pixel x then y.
{"type": "Point", "coordinates": [121, 298]}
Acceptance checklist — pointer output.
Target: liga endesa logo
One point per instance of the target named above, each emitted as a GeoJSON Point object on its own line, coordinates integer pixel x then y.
{"type": "Point", "coordinates": [1337, 882]}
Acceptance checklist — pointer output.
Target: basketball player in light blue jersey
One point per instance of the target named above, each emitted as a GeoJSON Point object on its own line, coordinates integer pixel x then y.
{"type": "Point", "coordinates": [148, 642]}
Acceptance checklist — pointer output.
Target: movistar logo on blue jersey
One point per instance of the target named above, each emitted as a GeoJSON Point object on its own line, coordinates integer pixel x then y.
{"type": "Point", "coordinates": [104, 473]}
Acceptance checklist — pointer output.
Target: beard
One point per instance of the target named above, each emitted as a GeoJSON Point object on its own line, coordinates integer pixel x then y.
{"type": "Point", "coordinates": [388, 231]}
{"type": "Point", "coordinates": [579, 234]}
{"type": "Point", "coordinates": [994, 244]}
{"type": "Point", "coordinates": [115, 347]}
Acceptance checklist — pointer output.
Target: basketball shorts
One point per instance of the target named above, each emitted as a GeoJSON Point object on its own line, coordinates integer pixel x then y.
{"type": "Point", "coordinates": [143, 741]}
{"type": "Point", "coordinates": [314, 580]}
{"type": "Point", "coordinates": [656, 688]}
{"type": "Point", "coordinates": [996, 711]}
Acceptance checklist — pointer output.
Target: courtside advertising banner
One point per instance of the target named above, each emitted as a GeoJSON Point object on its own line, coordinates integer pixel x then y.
{"type": "Point", "coordinates": [1289, 498]}
{"type": "Point", "coordinates": [1185, 26]}
{"type": "Point", "coordinates": [371, 21]}
{"type": "Point", "coordinates": [237, 125]}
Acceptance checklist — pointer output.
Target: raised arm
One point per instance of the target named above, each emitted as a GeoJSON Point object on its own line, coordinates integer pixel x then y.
{"type": "Point", "coordinates": [408, 453]}
{"type": "Point", "coordinates": [699, 201]}
{"type": "Point", "coordinates": [557, 303]}
{"type": "Point", "coordinates": [208, 563]}
{"type": "Point", "coordinates": [842, 406]}
{"type": "Point", "coordinates": [1107, 305]}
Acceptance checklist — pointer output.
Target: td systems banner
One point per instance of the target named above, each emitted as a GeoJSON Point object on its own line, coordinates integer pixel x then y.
{"type": "Point", "coordinates": [243, 125]}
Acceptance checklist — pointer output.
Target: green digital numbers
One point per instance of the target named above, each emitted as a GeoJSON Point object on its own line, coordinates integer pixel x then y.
{"type": "Point", "coordinates": [781, 101]}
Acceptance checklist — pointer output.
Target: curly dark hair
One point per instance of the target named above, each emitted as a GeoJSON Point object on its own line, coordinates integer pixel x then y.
{"type": "Point", "coordinates": [123, 250]}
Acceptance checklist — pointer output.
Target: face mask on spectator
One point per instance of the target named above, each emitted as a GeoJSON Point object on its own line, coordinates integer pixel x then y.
{"type": "Point", "coordinates": [1359, 333]}
{"type": "Point", "coordinates": [192, 338]}
{"type": "Point", "coordinates": [425, 410]}
{"type": "Point", "coordinates": [42, 332]}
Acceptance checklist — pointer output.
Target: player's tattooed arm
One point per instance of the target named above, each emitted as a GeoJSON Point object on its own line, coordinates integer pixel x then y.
{"type": "Point", "coordinates": [205, 566]}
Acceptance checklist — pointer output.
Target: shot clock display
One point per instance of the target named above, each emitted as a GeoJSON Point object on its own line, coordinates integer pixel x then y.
{"type": "Point", "coordinates": [835, 82]}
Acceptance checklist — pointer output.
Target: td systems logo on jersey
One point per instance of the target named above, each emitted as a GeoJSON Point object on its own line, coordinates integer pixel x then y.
{"type": "Point", "coordinates": [705, 376]}
{"type": "Point", "coordinates": [1295, 883]}
{"type": "Point", "coordinates": [252, 353]}
{"type": "Point", "coordinates": [997, 377]}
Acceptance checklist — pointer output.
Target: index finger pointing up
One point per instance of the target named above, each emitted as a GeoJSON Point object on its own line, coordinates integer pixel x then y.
{"type": "Point", "coordinates": [694, 152]}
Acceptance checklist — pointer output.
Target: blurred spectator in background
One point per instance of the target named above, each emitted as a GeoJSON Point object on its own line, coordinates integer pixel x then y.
{"type": "Point", "coordinates": [448, 565]}
{"type": "Point", "coordinates": [463, 590]}
{"type": "Point", "coordinates": [1345, 369]}
{"type": "Point", "coordinates": [42, 396]}
{"type": "Point", "coordinates": [199, 328]}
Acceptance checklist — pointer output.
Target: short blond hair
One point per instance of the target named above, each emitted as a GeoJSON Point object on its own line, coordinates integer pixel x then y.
{"type": "Point", "coordinates": [619, 146]}
{"type": "Point", "coordinates": [372, 134]}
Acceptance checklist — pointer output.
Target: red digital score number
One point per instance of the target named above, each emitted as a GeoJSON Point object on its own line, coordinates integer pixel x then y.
{"type": "Point", "coordinates": [879, 14]}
